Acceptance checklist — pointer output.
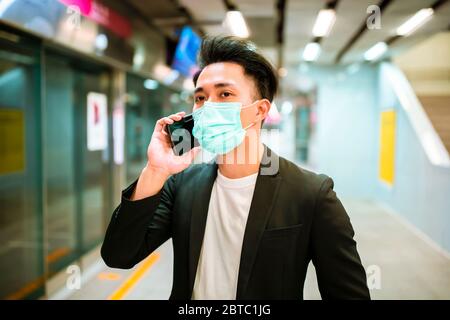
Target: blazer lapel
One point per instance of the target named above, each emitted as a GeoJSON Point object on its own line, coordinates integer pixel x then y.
{"type": "Point", "coordinates": [202, 195]}
{"type": "Point", "coordinates": [266, 190]}
{"type": "Point", "coordinates": [264, 196]}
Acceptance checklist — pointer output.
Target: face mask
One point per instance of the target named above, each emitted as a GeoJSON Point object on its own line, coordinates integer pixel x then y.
{"type": "Point", "coordinates": [218, 127]}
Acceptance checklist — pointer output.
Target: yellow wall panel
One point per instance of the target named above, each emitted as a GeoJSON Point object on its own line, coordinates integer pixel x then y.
{"type": "Point", "coordinates": [12, 141]}
{"type": "Point", "coordinates": [387, 147]}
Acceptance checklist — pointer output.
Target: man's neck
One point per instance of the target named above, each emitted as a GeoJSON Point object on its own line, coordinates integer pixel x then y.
{"type": "Point", "coordinates": [242, 161]}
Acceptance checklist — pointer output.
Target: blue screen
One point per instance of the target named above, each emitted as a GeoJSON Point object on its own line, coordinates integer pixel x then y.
{"type": "Point", "coordinates": [185, 58]}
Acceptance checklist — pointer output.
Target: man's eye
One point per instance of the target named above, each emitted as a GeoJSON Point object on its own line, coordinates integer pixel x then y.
{"type": "Point", "coordinates": [199, 98]}
{"type": "Point", "coordinates": [226, 94]}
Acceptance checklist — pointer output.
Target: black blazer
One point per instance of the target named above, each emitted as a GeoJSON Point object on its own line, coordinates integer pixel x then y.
{"type": "Point", "coordinates": [295, 217]}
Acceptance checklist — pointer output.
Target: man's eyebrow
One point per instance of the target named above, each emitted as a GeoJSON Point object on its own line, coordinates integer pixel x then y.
{"type": "Point", "coordinates": [224, 84]}
{"type": "Point", "coordinates": [198, 89]}
{"type": "Point", "coordinates": [217, 85]}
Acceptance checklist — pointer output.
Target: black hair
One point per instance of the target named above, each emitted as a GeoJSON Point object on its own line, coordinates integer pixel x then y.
{"type": "Point", "coordinates": [243, 52]}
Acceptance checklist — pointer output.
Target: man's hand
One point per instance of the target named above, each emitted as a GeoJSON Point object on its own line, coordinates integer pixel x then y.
{"type": "Point", "coordinates": [161, 160]}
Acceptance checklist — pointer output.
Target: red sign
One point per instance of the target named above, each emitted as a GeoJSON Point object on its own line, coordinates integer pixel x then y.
{"type": "Point", "coordinates": [103, 15]}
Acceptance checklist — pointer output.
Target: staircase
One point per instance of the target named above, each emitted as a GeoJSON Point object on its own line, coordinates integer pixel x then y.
{"type": "Point", "coordinates": [438, 111]}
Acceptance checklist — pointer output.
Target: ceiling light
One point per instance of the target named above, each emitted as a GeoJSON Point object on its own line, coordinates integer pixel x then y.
{"type": "Point", "coordinates": [375, 51]}
{"type": "Point", "coordinates": [4, 5]}
{"type": "Point", "coordinates": [151, 84]}
{"type": "Point", "coordinates": [273, 116]}
{"type": "Point", "coordinates": [188, 84]}
{"type": "Point", "coordinates": [353, 68]}
{"type": "Point", "coordinates": [303, 68]}
{"type": "Point", "coordinates": [235, 22]}
{"type": "Point", "coordinates": [161, 71]}
{"type": "Point", "coordinates": [324, 23]}
{"type": "Point", "coordinates": [286, 107]}
{"type": "Point", "coordinates": [101, 42]}
{"type": "Point", "coordinates": [282, 72]}
{"type": "Point", "coordinates": [311, 52]}
{"type": "Point", "coordinates": [413, 23]}
{"type": "Point", "coordinates": [171, 77]}
{"type": "Point", "coordinates": [139, 57]}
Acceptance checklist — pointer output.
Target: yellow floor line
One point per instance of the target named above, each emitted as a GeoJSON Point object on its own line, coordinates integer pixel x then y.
{"type": "Point", "coordinates": [40, 281]}
{"type": "Point", "coordinates": [123, 290]}
{"type": "Point", "coordinates": [29, 288]}
{"type": "Point", "coordinates": [57, 254]}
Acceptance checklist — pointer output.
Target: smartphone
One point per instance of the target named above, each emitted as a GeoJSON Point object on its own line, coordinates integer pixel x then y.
{"type": "Point", "coordinates": [181, 137]}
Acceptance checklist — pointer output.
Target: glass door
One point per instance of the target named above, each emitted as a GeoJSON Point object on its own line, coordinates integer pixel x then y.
{"type": "Point", "coordinates": [59, 136]}
{"type": "Point", "coordinates": [77, 174]}
{"type": "Point", "coordinates": [143, 109]}
{"type": "Point", "coordinates": [21, 227]}
{"type": "Point", "coordinates": [93, 155]}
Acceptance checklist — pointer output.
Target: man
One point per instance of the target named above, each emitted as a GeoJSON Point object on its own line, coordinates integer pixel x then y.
{"type": "Point", "coordinates": [244, 226]}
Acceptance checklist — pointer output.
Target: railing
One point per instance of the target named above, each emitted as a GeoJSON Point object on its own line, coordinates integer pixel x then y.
{"type": "Point", "coordinates": [428, 137]}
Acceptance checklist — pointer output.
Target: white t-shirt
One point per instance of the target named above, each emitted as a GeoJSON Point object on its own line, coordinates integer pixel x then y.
{"type": "Point", "coordinates": [218, 265]}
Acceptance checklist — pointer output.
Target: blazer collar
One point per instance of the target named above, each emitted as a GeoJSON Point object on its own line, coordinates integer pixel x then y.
{"type": "Point", "coordinates": [264, 196]}
{"type": "Point", "coordinates": [204, 184]}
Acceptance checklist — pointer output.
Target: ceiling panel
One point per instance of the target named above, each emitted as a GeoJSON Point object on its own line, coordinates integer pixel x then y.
{"type": "Point", "coordinates": [262, 31]}
{"type": "Point", "coordinates": [261, 18]}
{"type": "Point", "coordinates": [208, 14]}
{"type": "Point", "coordinates": [211, 10]}
{"type": "Point", "coordinates": [270, 53]}
{"type": "Point", "coordinates": [440, 22]}
{"type": "Point", "coordinates": [300, 15]}
{"type": "Point", "coordinates": [300, 18]}
{"type": "Point", "coordinates": [393, 16]}
{"type": "Point", "coordinates": [350, 14]}
{"type": "Point", "coordinates": [259, 14]}
{"type": "Point", "coordinates": [156, 9]}
{"type": "Point", "coordinates": [257, 8]}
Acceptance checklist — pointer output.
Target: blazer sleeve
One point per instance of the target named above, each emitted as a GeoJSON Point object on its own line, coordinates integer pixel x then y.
{"type": "Point", "coordinates": [340, 274]}
{"type": "Point", "coordinates": [139, 227]}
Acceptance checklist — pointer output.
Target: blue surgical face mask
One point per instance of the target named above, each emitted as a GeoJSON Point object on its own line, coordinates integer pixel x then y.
{"type": "Point", "coordinates": [218, 127]}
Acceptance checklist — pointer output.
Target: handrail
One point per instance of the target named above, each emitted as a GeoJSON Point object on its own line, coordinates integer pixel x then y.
{"type": "Point", "coordinates": [428, 137]}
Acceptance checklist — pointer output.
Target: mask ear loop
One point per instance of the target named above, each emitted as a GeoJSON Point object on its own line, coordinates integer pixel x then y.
{"type": "Point", "coordinates": [249, 126]}
{"type": "Point", "coordinates": [254, 122]}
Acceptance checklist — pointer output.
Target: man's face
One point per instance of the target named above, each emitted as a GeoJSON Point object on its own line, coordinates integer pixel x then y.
{"type": "Point", "coordinates": [227, 82]}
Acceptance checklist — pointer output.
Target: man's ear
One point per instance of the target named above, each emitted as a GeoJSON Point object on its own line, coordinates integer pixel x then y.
{"type": "Point", "coordinates": [263, 108]}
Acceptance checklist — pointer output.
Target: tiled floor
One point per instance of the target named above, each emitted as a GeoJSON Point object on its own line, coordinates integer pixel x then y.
{"type": "Point", "coordinates": [409, 268]}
